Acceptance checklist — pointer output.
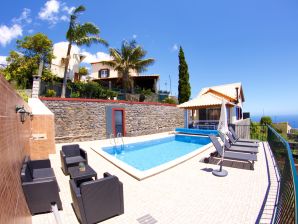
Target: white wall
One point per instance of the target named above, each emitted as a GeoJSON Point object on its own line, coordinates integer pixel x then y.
{"type": "Point", "coordinates": [98, 66]}
{"type": "Point", "coordinates": [60, 51]}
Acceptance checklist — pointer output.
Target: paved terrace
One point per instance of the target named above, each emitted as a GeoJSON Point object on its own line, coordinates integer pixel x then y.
{"type": "Point", "coordinates": [186, 193]}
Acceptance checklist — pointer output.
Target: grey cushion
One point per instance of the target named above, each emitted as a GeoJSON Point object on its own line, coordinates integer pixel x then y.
{"type": "Point", "coordinates": [43, 173]}
{"type": "Point", "coordinates": [74, 160]}
{"type": "Point", "coordinates": [71, 150]}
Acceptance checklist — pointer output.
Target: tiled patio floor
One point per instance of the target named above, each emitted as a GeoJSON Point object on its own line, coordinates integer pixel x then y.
{"type": "Point", "coordinates": [187, 193]}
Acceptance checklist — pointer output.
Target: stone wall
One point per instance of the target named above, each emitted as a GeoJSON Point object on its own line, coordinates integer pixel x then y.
{"type": "Point", "coordinates": [14, 145]}
{"type": "Point", "coordinates": [85, 119]}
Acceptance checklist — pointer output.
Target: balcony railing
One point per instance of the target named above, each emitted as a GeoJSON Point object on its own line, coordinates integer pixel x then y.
{"type": "Point", "coordinates": [286, 210]}
{"type": "Point", "coordinates": [204, 124]}
{"type": "Point", "coordinates": [286, 206]}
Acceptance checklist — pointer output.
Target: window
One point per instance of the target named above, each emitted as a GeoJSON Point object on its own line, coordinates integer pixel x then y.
{"type": "Point", "coordinates": [103, 73]}
{"type": "Point", "coordinates": [209, 114]}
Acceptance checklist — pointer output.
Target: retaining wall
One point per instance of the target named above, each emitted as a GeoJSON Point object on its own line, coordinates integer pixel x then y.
{"type": "Point", "coordinates": [85, 119]}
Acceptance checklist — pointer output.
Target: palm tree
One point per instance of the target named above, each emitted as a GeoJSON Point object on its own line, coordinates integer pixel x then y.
{"type": "Point", "coordinates": [79, 34]}
{"type": "Point", "coordinates": [129, 58]}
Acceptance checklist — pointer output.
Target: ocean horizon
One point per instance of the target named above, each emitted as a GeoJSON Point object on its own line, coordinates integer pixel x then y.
{"type": "Point", "coordinates": [291, 119]}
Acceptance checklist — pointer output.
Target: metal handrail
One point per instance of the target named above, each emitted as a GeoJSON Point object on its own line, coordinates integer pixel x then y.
{"type": "Point", "coordinates": [112, 137]}
{"type": "Point", "coordinates": [293, 174]}
{"type": "Point", "coordinates": [119, 135]}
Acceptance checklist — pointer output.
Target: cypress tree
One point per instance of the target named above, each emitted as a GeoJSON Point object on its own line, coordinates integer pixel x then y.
{"type": "Point", "coordinates": [183, 85]}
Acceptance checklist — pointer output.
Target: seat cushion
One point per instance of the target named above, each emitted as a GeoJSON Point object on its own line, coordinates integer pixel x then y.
{"type": "Point", "coordinates": [43, 173]}
{"type": "Point", "coordinates": [74, 160]}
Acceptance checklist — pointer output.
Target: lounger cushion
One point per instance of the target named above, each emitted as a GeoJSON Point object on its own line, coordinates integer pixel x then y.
{"type": "Point", "coordinates": [247, 144]}
{"type": "Point", "coordinates": [74, 160]}
{"type": "Point", "coordinates": [242, 149]}
{"type": "Point", "coordinates": [240, 156]}
{"type": "Point", "coordinates": [248, 140]}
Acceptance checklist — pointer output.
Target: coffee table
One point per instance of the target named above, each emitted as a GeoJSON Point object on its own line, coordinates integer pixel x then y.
{"type": "Point", "coordinates": [76, 174]}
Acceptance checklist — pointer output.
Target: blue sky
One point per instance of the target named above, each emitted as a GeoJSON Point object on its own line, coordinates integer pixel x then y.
{"type": "Point", "coordinates": [254, 42]}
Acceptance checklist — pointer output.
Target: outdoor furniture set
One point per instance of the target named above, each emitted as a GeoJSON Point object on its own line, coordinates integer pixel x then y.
{"type": "Point", "coordinates": [236, 148]}
{"type": "Point", "coordinates": [94, 200]}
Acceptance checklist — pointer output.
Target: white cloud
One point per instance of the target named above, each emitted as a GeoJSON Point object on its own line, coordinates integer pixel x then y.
{"type": "Point", "coordinates": [63, 45]}
{"type": "Point", "coordinates": [30, 31]}
{"type": "Point", "coordinates": [3, 60]}
{"type": "Point", "coordinates": [24, 17]}
{"type": "Point", "coordinates": [134, 36]}
{"type": "Point", "coordinates": [64, 18]}
{"type": "Point", "coordinates": [49, 11]}
{"type": "Point", "coordinates": [54, 11]}
{"type": "Point", "coordinates": [99, 56]}
{"type": "Point", "coordinates": [69, 10]}
{"type": "Point", "coordinates": [175, 47]}
{"type": "Point", "coordinates": [7, 34]}
{"type": "Point", "coordinates": [60, 48]}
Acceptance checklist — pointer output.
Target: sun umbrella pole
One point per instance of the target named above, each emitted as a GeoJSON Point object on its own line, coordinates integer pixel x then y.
{"type": "Point", "coordinates": [222, 129]}
{"type": "Point", "coordinates": [222, 156]}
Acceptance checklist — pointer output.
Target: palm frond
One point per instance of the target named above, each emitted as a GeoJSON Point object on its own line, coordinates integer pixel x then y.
{"type": "Point", "coordinates": [79, 9]}
{"type": "Point", "coordinates": [87, 34]}
{"type": "Point", "coordinates": [142, 65]}
{"type": "Point", "coordinates": [87, 28]}
{"type": "Point", "coordinates": [116, 54]}
{"type": "Point", "coordinates": [88, 40]}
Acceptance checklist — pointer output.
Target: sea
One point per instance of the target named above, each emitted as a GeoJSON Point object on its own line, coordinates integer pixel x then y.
{"type": "Point", "coordinates": [292, 119]}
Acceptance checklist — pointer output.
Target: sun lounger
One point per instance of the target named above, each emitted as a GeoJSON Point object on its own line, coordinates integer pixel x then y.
{"type": "Point", "coordinates": [233, 141]}
{"type": "Point", "coordinates": [241, 139]}
{"type": "Point", "coordinates": [229, 147]}
{"type": "Point", "coordinates": [248, 149]}
{"type": "Point", "coordinates": [251, 158]}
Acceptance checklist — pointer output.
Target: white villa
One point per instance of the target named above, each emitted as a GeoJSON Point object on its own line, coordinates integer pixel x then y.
{"type": "Point", "coordinates": [108, 77]}
{"type": "Point", "coordinates": [204, 110]}
{"type": "Point", "coordinates": [58, 63]}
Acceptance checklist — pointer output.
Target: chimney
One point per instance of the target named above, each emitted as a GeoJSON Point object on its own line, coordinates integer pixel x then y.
{"type": "Point", "coordinates": [237, 95]}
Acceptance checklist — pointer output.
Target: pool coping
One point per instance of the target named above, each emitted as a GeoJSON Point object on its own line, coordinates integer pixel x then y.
{"type": "Point", "coordinates": [141, 175]}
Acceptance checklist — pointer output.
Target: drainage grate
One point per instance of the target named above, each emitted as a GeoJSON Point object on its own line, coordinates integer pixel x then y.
{"type": "Point", "coordinates": [147, 219]}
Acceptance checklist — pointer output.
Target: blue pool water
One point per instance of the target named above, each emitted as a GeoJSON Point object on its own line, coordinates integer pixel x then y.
{"type": "Point", "coordinates": [149, 154]}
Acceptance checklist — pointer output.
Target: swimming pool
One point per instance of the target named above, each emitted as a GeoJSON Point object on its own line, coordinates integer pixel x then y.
{"type": "Point", "coordinates": [150, 154]}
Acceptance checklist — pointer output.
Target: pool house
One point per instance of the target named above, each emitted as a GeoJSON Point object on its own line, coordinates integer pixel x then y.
{"type": "Point", "coordinates": [203, 111]}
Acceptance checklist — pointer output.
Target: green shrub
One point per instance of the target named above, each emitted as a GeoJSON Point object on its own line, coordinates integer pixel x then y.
{"type": "Point", "coordinates": [266, 120]}
{"type": "Point", "coordinates": [91, 90]}
{"type": "Point", "coordinates": [23, 94]}
{"type": "Point", "coordinates": [146, 92]}
{"type": "Point", "coordinates": [75, 95]}
{"type": "Point", "coordinates": [169, 101]}
{"type": "Point", "coordinates": [111, 94]}
{"type": "Point", "coordinates": [50, 93]}
{"type": "Point", "coordinates": [142, 98]}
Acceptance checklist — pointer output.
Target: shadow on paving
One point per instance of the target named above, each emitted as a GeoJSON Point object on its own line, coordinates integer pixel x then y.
{"type": "Point", "coordinates": [226, 163]}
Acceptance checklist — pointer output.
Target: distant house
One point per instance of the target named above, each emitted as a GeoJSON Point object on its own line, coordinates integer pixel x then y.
{"type": "Point", "coordinates": [110, 78]}
{"type": "Point", "coordinates": [58, 63]}
{"type": "Point", "coordinates": [204, 110]}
